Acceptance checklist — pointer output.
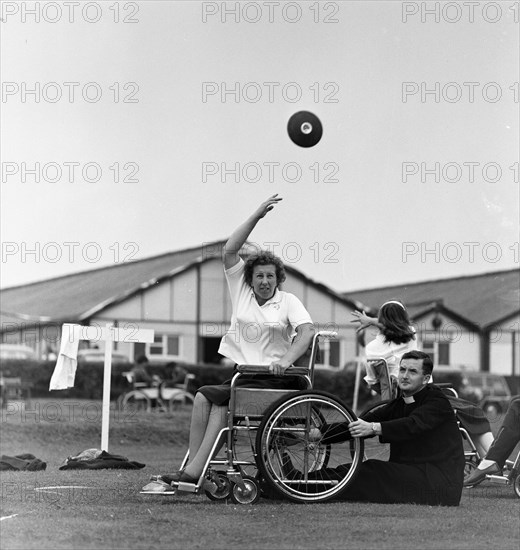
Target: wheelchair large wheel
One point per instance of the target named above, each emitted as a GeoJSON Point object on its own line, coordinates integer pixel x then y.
{"type": "Point", "coordinates": [373, 448]}
{"type": "Point", "coordinates": [516, 485]}
{"type": "Point", "coordinates": [136, 401]}
{"type": "Point", "coordinates": [304, 448]}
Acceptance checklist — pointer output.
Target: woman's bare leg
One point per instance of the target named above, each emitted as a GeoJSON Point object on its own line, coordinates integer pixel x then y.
{"type": "Point", "coordinates": [199, 422]}
{"type": "Point", "coordinates": [201, 448]}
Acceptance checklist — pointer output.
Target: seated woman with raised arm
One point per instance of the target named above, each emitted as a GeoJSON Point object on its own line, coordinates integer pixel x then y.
{"type": "Point", "coordinates": [263, 322]}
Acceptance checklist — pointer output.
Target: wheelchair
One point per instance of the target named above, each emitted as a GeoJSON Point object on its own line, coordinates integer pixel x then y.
{"type": "Point", "coordinates": [275, 442]}
{"type": "Point", "coordinates": [142, 396]}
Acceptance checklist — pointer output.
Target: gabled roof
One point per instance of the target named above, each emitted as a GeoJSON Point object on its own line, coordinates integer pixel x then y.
{"type": "Point", "coordinates": [484, 300]}
{"type": "Point", "coordinates": [78, 296]}
{"type": "Point", "coordinates": [72, 297]}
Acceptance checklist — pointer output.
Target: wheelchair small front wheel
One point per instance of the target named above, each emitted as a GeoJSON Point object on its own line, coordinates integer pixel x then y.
{"type": "Point", "coordinates": [249, 494]}
{"type": "Point", "coordinates": [221, 488]}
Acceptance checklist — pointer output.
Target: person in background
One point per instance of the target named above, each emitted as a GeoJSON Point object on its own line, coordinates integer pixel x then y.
{"type": "Point", "coordinates": [394, 338]}
{"type": "Point", "coordinates": [140, 372]}
{"type": "Point", "coordinates": [503, 445]}
{"type": "Point", "coordinates": [142, 378]}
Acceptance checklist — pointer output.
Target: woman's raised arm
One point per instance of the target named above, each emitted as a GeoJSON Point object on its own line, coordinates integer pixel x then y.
{"type": "Point", "coordinates": [239, 236]}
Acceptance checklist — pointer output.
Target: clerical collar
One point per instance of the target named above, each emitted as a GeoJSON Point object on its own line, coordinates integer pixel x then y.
{"type": "Point", "coordinates": [408, 400]}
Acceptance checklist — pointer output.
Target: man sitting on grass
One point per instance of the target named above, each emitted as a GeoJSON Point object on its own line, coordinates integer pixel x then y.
{"type": "Point", "coordinates": [426, 464]}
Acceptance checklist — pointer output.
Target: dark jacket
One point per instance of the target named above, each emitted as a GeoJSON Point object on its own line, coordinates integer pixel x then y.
{"type": "Point", "coordinates": [424, 433]}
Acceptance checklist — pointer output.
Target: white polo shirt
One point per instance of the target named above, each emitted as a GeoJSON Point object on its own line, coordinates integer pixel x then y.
{"type": "Point", "coordinates": [258, 334]}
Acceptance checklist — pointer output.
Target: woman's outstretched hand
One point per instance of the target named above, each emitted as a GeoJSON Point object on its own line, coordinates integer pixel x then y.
{"type": "Point", "coordinates": [267, 205]}
{"type": "Point", "coordinates": [362, 318]}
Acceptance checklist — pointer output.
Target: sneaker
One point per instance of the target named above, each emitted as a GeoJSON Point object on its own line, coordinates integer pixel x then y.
{"type": "Point", "coordinates": [157, 488]}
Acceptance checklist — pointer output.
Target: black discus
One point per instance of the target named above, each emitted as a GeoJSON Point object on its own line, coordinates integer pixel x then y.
{"type": "Point", "coordinates": [304, 129]}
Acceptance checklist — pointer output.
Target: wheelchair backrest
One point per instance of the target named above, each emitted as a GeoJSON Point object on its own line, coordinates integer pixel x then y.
{"type": "Point", "coordinates": [253, 402]}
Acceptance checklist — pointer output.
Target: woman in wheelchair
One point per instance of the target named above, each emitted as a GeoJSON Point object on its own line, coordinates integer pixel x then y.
{"type": "Point", "coordinates": [262, 321]}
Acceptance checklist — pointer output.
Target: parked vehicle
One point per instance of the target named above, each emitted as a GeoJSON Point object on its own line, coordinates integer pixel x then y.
{"type": "Point", "coordinates": [17, 352]}
{"type": "Point", "coordinates": [493, 392]}
{"type": "Point", "coordinates": [98, 356]}
{"type": "Point", "coordinates": [489, 391]}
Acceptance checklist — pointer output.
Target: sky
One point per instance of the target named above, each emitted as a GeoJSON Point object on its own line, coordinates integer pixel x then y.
{"type": "Point", "coordinates": [131, 129]}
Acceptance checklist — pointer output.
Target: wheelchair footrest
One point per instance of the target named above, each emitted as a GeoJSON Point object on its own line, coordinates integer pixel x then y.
{"type": "Point", "coordinates": [187, 487]}
{"type": "Point", "coordinates": [497, 479]}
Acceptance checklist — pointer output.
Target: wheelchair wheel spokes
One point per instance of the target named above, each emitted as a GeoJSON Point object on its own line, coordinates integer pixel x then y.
{"type": "Point", "coordinates": [374, 449]}
{"type": "Point", "coordinates": [296, 458]}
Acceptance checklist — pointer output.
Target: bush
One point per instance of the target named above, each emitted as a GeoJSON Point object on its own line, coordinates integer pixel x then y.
{"type": "Point", "coordinates": [88, 383]}
{"type": "Point", "coordinates": [89, 379]}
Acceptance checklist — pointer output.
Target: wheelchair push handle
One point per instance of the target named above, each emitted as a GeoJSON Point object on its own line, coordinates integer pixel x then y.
{"type": "Point", "coordinates": [326, 334]}
{"type": "Point", "coordinates": [264, 369]}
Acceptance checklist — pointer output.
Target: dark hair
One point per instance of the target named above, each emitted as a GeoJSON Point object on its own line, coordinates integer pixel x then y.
{"type": "Point", "coordinates": [264, 258]}
{"type": "Point", "coordinates": [141, 359]}
{"type": "Point", "coordinates": [427, 364]}
{"type": "Point", "coordinates": [394, 318]}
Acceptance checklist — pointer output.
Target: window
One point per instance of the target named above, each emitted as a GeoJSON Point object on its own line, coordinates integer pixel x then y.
{"type": "Point", "coordinates": [429, 348]}
{"type": "Point", "coordinates": [438, 351]}
{"type": "Point", "coordinates": [330, 353]}
{"type": "Point", "coordinates": [157, 347]}
{"type": "Point", "coordinates": [163, 345]}
{"type": "Point", "coordinates": [444, 353]}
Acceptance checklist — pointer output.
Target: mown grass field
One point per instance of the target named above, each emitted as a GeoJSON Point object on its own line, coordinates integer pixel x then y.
{"type": "Point", "coordinates": [109, 512]}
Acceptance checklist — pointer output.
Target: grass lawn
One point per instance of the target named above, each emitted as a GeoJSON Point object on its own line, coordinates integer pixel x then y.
{"type": "Point", "coordinates": [108, 511]}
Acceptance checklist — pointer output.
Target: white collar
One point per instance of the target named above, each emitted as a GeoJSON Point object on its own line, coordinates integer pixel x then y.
{"type": "Point", "coordinates": [409, 399]}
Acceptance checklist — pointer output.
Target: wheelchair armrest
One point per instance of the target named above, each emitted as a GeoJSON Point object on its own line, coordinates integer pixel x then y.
{"type": "Point", "coordinates": [264, 369]}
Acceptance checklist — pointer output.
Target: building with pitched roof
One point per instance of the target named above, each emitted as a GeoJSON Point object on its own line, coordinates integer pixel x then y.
{"type": "Point", "coordinates": [472, 320]}
{"type": "Point", "coordinates": [182, 295]}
